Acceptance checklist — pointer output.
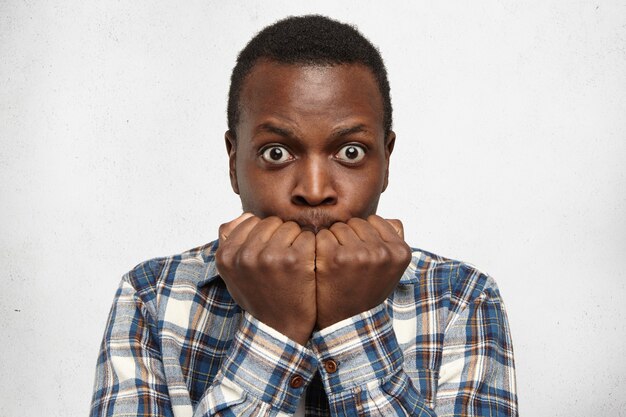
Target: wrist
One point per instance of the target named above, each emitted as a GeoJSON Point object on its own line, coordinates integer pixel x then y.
{"type": "Point", "coordinates": [299, 332]}
{"type": "Point", "coordinates": [336, 316]}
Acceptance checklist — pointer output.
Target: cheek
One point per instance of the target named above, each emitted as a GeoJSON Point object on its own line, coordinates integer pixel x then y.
{"type": "Point", "coordinates": [262, 192]}
{"type": "Point", "coordinates": [360, 191]}
{"type": "Point", "coordinates": [365, 203]}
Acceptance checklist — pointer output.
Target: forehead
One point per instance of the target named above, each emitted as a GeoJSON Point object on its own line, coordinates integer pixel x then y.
{"type": "Point", "coordinates": [299, 94]}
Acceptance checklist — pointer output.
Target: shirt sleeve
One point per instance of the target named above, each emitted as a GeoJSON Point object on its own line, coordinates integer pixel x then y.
{"type": "Point", "coordinates": [362, 366]}
{"type": "Point", "coordinates": [477, 374]}
{"type": "Point", "coordinates": [130, 379]}
{"type": "Point", "coordinates": [264, 373]}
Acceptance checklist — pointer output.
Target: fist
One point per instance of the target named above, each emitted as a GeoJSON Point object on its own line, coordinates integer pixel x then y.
{"type": "Point", "coordinates": [358, 264]}
{"type": "Point", "coordinates": [269, 269]}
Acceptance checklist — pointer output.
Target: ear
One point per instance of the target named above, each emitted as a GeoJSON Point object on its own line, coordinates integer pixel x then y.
{"type": "Point", "coordinates": [390, 141]}
{"type": "Point", "coordinates": [231, 148]}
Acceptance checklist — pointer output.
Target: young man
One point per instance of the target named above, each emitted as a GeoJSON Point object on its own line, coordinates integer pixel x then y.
{"type": "Point", "coordinates": [309, 303]}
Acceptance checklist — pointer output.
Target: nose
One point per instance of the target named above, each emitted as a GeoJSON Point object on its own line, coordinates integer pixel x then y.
{"type": "Point", "coordinates": [314, 184]}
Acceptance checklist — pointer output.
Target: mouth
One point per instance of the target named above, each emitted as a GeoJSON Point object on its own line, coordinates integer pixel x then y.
{"type": "Point", "coordinates": [312, 227]}
{"type": "Point", "coordinates": [315, 220]}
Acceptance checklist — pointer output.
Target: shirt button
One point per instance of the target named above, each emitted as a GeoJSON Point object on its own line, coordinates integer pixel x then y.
{"type": "Point", "coordinates": [330, 366]}
{"type": "Point", "coordinates": [296, 381]}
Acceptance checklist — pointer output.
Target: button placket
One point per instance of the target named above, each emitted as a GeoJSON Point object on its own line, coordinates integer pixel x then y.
{"type": "Point", "coordinates": [296, 381]}
{"type": "Point", "coordinates": [330, 366]}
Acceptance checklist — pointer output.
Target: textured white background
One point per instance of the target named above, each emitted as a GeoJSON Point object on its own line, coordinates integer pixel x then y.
{"type": "Point", "coordinates": [510, 154]}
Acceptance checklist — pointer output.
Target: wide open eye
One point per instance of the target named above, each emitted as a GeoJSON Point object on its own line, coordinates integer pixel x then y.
{"type": "Point", "coordinates": [351, 154]}
{"type": "Point", "coordinates": [276, 154]}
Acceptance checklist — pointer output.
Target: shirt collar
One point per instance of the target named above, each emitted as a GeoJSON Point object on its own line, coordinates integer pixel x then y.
{"type": "Point", "coordinates": [210, 269]}
{"type": "Point", "coordinates": [409, 277]}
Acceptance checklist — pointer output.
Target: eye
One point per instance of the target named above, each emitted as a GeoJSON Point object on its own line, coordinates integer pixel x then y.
{"type": "Point", "coordinates": [276, 154]}
{"type": "Point", "coordinates": [351, 154]}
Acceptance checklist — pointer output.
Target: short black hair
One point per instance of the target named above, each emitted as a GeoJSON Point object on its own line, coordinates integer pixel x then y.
{"type": "Point", "coordinates": [308, 40]}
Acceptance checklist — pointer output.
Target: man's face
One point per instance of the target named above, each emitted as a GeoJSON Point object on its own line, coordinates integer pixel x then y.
{"type": "Point", "coordinates": [310, 144]}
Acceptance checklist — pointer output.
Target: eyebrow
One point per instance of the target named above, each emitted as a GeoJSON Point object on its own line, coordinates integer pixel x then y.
{"type": "Point", "coordinates": [268, 127]}
{"type": "Point", "coordinates": [350, 130]}
{"type": "Point", "coordinates": [285, 132]}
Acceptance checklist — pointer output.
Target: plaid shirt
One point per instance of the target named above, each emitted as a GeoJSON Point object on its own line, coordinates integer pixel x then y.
{"type": "Point", "coordinates": [176, 344]}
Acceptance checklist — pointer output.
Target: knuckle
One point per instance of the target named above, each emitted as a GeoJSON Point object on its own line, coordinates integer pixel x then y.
{"type": "Point", "coordinates": [223, 255]}
{"type": "Point", "coordinates": [403, 253]}
{"type": "Point", "coordinates": [291, 226]}
{"type": "Point", "coordinates": [273, 220]}
{"type": "Point", "coordinates": [246, 257]}
{"type": "Point", "coordinates": [289, 260]}
{"type": "Point", "coordinates": [288, 227]}
{"type": "Point", "coordinates": [381, 255]}
{"type": "Point", "coordinates": [223, 264]}
{"type": "Point", "coordinates": [395, 222]}
{"type": "Point", "coordinates": [267, 259]}
{"type": "Point", "coordinates": [374, 219]}
{"type": "Point", "coordinates": [223, 229]}
{"type": "Point", "coordinates": [342, 258]}
{"type": "Point", "coordinates": [355, 221]}
{"type": "Point", "coordinates": [363, 256]}
{"type": "Point", "coordinates": [346, 258]}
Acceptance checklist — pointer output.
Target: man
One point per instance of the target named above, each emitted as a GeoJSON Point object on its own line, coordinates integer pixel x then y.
{"type": "Point", "coordinates": [309, 303]}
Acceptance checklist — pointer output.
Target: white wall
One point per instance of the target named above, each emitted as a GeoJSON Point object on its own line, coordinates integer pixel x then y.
{"type": "Point", "coordinates": [511, 151]}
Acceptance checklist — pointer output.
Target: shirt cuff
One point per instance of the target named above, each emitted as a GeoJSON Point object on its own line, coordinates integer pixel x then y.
{"type": "Point", "coordinates": [358, 350]}
{"type": "Point", "coordinates": [268, 365]}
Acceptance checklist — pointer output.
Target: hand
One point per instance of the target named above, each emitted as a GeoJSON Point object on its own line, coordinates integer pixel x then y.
{"type": "Point", "coordinates": [269, 269]}
{"type": "Point", "coordinates": [358, 264]}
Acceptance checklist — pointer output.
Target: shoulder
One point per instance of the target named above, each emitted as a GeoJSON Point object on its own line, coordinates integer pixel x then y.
{"type": "Point", "coordinates": [158, 275]}
{"type": "Point", "coordinates": [457, 281]}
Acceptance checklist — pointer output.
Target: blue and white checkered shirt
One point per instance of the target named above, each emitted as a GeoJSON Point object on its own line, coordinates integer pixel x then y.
{"type": "Point", "coordinates": [176, 344]}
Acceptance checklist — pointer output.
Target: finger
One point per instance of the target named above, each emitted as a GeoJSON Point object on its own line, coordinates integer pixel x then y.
{"type": "Point", "coordinates": [304, 240]}
{"type": "Point", "coordinates": [397, 225]}
{"type": "Point", "coordinates": [389, 231]}
{"type": "Point", "coordinates": [364, 230]}
{"type": "Point", "coordinates": [304, 244]}
{"type": "Point", "coordinates": [263, 230]}
{"type": "Point", "coordinates": [240, 233]}
{"type": "Point", "coordinates": [345, 234]}
{"type": "Point", "coordinates": [285, 234]}
{"type": "Point", "coordinates": [325, 241]}
{"type": "Point", "coordinates": [226, 229]}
